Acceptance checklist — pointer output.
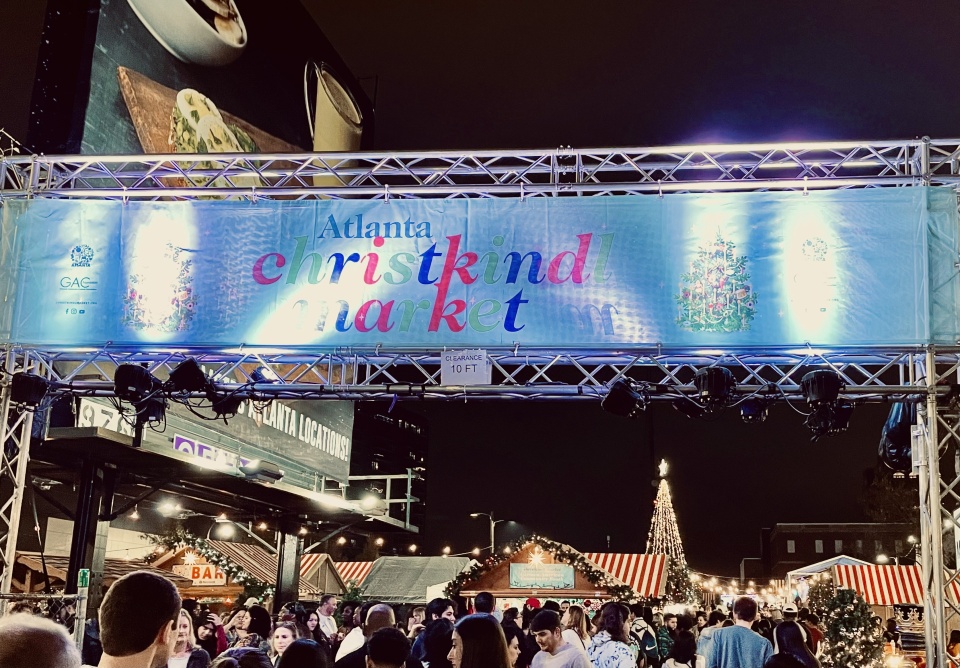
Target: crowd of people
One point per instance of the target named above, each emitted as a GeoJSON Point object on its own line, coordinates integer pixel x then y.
{"type": "Point", "coordinates": [143, 623]}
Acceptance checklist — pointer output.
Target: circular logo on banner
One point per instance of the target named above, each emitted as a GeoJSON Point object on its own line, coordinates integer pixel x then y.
{"type": "Point", "coordinates": [81, 255]}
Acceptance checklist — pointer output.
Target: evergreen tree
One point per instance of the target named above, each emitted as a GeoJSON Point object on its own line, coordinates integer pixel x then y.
{"type": "Point", "coordinates": [821, 591]}
{"type": "Point", "coordinates": [664, 538]}
{"type": "Point", "coordinates": [852, 639]}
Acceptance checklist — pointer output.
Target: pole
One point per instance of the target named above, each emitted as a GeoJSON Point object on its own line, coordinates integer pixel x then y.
{"type": "Point", "coordinates": [492, 525]}
{"type": "Point", "coordinates": [931, 530]}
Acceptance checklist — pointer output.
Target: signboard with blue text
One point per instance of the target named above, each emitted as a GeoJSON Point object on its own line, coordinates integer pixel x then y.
{"type": "Point", "coordinates": [839, 268]}
{"type": "Point", "coordinates": [541, 576]}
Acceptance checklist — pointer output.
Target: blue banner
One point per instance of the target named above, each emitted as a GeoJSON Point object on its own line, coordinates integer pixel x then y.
{"type": "Point", "coordinates": [831, 269]}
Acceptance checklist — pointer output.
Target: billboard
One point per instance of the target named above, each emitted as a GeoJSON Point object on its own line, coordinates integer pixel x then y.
{"type": "Point", "coordinates": [304, 438]}
{"type": "Point", "coordinates": [840, 268]}
{"type": "Point", "coordinates": [192, 76]}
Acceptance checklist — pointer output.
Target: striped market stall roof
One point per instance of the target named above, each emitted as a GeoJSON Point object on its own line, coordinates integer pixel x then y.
{"type": "Point", "coordinates": [112, 568]}
{"type": "Point", "coordinates": [354, 570]}
{"type": "Point", "coordinates": [645, 573]}
{"type": "Point", "coordinates": [883, 585]}
{"type": "Point", "coordinates": [308, 561]}
{"type": "Point", "coordinates": [257, 562]}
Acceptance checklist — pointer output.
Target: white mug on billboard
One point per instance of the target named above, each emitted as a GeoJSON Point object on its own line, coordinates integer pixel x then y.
{"type": "Point", "coordinates": [336, 123]}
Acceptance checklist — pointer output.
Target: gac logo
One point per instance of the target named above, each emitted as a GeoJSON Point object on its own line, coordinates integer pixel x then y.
{"type": "Point", "coordinates": [71, 283]}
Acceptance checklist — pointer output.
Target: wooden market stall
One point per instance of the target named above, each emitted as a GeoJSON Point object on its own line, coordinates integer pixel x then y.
{"type": "Point", "coordinates": [28, 577]}
{"type": "Point", "coordinates": [541, 568]}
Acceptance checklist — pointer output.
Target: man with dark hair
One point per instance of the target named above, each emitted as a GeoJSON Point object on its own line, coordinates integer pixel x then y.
{"type": "Point", "coordinates": [641, 630]}
{"type": "Point", "coordinates": [138, 621]}
{"type": "Point", "coordinates": [666, 635]}
{"type": "Point", "coordinates": [380, 616]}
{"type": "Point", "coordinates": [437, 608]}
{"type": "Point", "coordinates": [738, 646]}
{"type": "Point", "coordinates": [484, 603]}
{"type": "Point", "coordinates": [387, 648]}
{"type": "Point", "coordinates": [554, 652]}
{"type": "Point", "coordinates": [551, 605]}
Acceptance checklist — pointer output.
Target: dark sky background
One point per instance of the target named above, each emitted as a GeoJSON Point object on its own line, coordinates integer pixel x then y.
{"type": "Point", "coordinates": [504, 74]}
{"type": "Point", "coordinates": [515, 75]}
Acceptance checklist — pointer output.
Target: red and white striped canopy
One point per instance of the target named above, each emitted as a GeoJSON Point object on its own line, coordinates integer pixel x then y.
{"type": "Point", "coordinates": [308, 561]}
{"type": "Point", "coordinates": [883, 585]}
{"type": "Point", "coordinates": [353, 570]}
{"type": "Point", "coordinates": [645, 573]}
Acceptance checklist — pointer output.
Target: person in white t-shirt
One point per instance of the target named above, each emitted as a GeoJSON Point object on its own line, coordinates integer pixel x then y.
{"type": "Point", "coordinates": [555, 651]}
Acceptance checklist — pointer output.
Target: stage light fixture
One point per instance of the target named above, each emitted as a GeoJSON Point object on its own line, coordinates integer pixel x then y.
{"type": "Point", "coordinates": [187, 377]}
{"type": "Point", "coordinates": [264, 374]}
{"type": "Point", "coordinates": [225, 406]}
{"type": "Point", "coordinates": [829, 419]}
{"type": "Point", "coordinates": [28, 389]}
{"type": "Point", "coordinates": [715, 384]}
{"type": "Point", "coordinates": [134, 383]}
{"type": "Point", "coordinates": [821, 387]}
{"type": "Point", "coordinates": [624, 399]}
{"type": "Point", "coordinates": [754, 411]}
{"type": "Point", "coordinates": [260, 470]}
{"type": "Point", "coordinates": [369, 502]}
{"type": "Point", "coordinates": [150, 410]}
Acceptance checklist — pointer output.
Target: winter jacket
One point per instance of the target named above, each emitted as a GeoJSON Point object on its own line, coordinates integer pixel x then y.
{"type": "Point", "coordinates": [664, 641]}
{"type": "Point", "coordinates": [605, 652]}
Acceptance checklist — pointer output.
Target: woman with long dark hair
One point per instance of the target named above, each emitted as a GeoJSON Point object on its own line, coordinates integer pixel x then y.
{"type": "Point", "coordinates": [610, 648]}
{"type": "Point", "coordinates": [257, 631]}
{"type": "Point", "coordinates": [684, 653]}
{"type": "Point", "coordinates": [789, 639]}
{"type": "Point", "coordinates": [478, 642]}
{"type": "Point", "coordinates": [437, 641]}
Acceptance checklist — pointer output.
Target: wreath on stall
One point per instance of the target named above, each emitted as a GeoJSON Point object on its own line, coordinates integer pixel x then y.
{"type": "Point", "coordinates": [180, 538]}
{"type": "Point", "coordinates": [561, 553]}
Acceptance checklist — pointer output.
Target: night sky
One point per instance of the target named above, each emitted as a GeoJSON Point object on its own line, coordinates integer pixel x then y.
{"type": "Point", "coordinates": [544, 74]}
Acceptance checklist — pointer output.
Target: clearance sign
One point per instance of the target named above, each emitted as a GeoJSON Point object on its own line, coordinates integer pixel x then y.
{"type": "Point", "coordinates": [838, 268]}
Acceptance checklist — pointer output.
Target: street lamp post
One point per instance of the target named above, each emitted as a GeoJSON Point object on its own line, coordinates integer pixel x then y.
{"type": "Point", "coordinates": [493, 523]}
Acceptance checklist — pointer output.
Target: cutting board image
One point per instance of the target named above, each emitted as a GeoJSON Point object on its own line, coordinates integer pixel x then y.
{"type": "Point", "coordinates": [151, 109]}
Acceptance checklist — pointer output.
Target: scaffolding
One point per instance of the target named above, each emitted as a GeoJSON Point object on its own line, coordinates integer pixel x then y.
{"type": "Point", "coordinates": [922, 374]}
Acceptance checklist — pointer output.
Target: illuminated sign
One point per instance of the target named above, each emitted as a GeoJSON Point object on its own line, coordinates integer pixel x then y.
{"type": "Point", "coordinates": [541, 576]}
{"type": "Point", "coordinates": [204, 575]}
{"type": "Point", "coordinates": [785, 269]}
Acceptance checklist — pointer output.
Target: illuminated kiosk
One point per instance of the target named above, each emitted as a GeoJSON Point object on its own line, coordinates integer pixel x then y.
{"type": "Point", "coordinates": [543, 569]}
{"type": "Point", "coordinates": [871, 297]}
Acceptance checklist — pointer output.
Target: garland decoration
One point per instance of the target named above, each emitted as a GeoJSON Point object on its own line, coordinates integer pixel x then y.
{"type": "Point", "coordinates": [561, 553]}
{"type": "Point", "coordinates": [180, 538]}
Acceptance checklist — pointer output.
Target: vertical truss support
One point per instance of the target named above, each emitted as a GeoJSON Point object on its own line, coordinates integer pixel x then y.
{"type": "Point", "coordinates": [15, 427]}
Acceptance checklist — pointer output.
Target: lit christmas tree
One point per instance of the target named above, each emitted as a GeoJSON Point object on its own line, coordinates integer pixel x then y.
{"type": "Point", "coordinates": [664, 538]}
{"type": "Point", "coordinates": [715, 295]}
{"type": "Point", "coordinates": [852, 639]}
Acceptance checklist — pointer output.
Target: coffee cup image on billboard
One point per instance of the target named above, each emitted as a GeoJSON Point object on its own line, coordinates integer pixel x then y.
{"type": "Point", "coordinates": [201, 32]}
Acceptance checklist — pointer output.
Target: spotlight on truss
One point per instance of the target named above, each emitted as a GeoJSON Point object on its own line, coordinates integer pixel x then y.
{"type": "Point", "coordinates": [753, 411]}
{"type": "Point", "coordinates": [28, 389]}
{"type": "Point", "coordinates": [625, 398]}
{"type": "Point", "coordinates": [225, 405]}
{"type": "Point", "coordinates": [134, 383]}
{"type": "Point", "coordinates": [715, 385]}
{"type": "Point", "coordinates": [187, 377]}
{"type": "Point", "coordinates": [829, 415]}
{"type": "Point", "coordinates": [821, 387]}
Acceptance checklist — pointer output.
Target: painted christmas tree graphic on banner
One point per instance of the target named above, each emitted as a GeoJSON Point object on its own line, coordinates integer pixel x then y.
{"type": "Point", "coordinates": [715, 295]}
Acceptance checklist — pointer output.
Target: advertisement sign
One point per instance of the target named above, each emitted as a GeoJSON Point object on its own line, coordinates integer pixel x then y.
{"type": "Point", "coordinates": [541, 576]}
{"type": "Point", "coordinates": [192, 76]}
{"type": "Point", "coordinates": [838, 268]}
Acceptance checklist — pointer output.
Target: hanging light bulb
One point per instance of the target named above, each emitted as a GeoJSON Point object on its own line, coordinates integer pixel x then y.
{"type": "Point", "coordinates": [135, 515]}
